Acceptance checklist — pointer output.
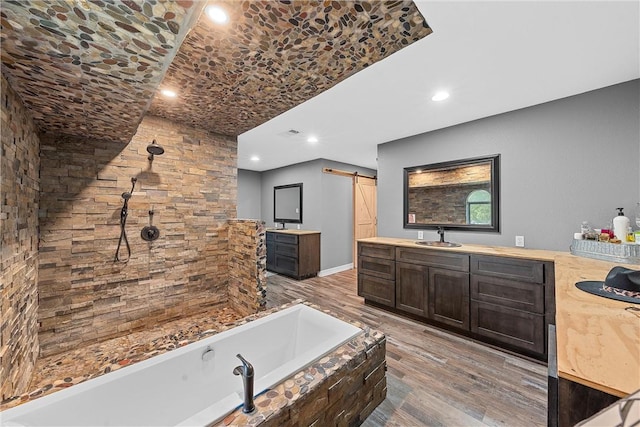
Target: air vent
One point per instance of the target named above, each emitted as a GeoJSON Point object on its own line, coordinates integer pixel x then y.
{"type": "Point", "coordinates": [290, 132]}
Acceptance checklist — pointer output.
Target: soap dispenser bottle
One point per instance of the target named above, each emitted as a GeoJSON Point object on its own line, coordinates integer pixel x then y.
{"type": "Point", "coordinates": [620, 225]}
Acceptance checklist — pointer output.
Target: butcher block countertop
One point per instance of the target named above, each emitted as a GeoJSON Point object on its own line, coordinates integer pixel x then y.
{"type": "Point", "coordinates": [291, 231]}
{"type": "Point", "coordinates": [598, 341]}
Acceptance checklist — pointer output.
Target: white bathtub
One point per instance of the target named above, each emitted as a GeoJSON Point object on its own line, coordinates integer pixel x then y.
{"type": "Point", "coordinates": [179, 388]}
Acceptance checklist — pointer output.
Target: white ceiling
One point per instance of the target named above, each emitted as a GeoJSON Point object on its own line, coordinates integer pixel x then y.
{"type": "Point", "coordinates": [492, 57]}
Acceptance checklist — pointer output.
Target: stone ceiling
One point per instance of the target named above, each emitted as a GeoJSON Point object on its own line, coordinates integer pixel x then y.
{"type": "Point", "coordinates": [93, 68]}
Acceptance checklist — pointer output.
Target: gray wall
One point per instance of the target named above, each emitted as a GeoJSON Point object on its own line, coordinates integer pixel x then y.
{"type": "Point", "coordinates": [327, 205]}
{"type": "Point", "coordinates": [562, 163]}
{"type": "Point", "coordinates": [249, 194]}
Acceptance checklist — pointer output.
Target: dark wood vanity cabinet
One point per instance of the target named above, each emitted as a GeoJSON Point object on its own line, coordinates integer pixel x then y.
{"type": "Point", "coordinates": [501, 300]}
{"type": "Point", "coordinates": [512, 301]}
{"type": "Point", "coordinates": [293, 254]}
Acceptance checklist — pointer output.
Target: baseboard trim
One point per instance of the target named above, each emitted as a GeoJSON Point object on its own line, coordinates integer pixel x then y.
{"type": "Point", "coordinates": [334, 270]}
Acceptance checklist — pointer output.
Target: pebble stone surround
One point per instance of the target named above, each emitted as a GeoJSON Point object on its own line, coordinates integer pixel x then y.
{"type": "Point", "coordinates": [274, 55]}
{"type": "Point", "coordinates": [342, 388]}
{"type": "Point", "coordinates": [93, 68]}
{"type": "Point", "coordinates": [90, 67]}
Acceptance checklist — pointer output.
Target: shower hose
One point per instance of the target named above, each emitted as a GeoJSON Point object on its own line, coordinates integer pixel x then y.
{"type": "Point", "coordinates": [123, 221]}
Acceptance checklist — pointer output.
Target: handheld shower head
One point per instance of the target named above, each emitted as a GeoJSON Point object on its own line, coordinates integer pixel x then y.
{"type": "Point", "coordinates": [154, 149]}
{"type": "Point", "coordinates": [126, 195]}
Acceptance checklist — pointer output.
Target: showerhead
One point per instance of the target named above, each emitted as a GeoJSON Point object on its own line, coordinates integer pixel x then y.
{"type": "Point", "coordinates": [126, 195]}
{"type": "Point", "coordinates": [154, 149]}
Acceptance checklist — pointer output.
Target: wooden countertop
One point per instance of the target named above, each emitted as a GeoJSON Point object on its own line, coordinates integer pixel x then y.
{"type": "Point", "coordinates": [292, 231]}
{"type": "Point", "coordinates": [470, 249]}
{"type": "Point", "coordinates": [598, 341]}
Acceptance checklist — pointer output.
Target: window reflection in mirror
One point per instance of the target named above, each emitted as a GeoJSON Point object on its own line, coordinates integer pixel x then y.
{"type": "Point", "coordinates": [461, 194]}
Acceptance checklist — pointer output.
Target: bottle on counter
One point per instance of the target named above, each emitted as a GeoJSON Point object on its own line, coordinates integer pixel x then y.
{"type": "Point", "coordinates": [620, 225]}
{"type": "Point", "coordinates": [631, 237]}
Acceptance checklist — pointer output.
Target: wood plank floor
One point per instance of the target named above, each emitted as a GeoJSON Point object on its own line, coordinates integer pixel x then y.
{"type": "Point", "coordinates": [434, 378]}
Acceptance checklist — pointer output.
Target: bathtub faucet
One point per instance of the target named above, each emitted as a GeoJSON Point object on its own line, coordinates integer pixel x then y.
{"type": "Point", "coordinates": [246, 371]}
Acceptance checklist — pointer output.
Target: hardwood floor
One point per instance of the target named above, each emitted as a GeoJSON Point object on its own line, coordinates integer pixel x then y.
{"type": "Point", "coordinates": [434, 378]}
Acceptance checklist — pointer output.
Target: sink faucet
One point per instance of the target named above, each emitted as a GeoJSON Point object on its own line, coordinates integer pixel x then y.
{"type": "Point", "coordinates": [246, 371]}
{"type": "Point", "coordinates": [441, 233]}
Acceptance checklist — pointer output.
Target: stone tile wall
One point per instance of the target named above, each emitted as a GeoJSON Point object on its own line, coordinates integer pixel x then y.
{"type": "Point", "coordinates": [446, 204]}
{"type": "Point", "coordinates": [19, 186]}
{"type": "Point", "coordinates": [85, 296]}
{"type": "Point", "coordinates": [247, 266]}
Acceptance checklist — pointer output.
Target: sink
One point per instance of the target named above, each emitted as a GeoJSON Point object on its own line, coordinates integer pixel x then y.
{"type": "Point", "coordinates": [438, 244]}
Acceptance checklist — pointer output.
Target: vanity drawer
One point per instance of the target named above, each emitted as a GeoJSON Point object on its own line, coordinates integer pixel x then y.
{"type": "Point", "coordinates": [376, 251]}
{"type": "Point", "coordinates": [376, 289]}
{"type": "Point", "coordinates": [508, 268]}
{"type": "Point", "coordinates": [286, 238]}
{"type": "Point", "coordinates": [286, 249]}
{"type": "Point", "coordinates": [508, 293]}
{"type": "Point", "coordinates": [441, 259]}
{"type": "Point", "coordinates": [378, 267]}
{"type": "Point", "coordinates": [517, 328]}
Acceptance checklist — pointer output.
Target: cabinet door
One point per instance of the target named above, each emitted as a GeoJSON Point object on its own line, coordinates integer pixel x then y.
{"type": "Point", "coordinates": [411, 288]}
{"type": "Point", "coordinates": [449, 297]}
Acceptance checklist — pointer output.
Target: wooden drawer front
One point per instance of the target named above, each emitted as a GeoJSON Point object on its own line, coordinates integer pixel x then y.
{"type": "Point", "coordinates": [286, 249]}
{"type": "Point", "coordinates": [286, 238]}
{"type": "Point", "coordinates": [271, 237]}
{"type": "Point", "coordinates": [378, 267]}
{"type": "Point", "coordinates": [286, 265]}
{"type": "Point", "coordinates": [376, 251]}
{"type": "Point", "coordinates": [442, 259]}
{"type": "Point", "coordinates": [508, 293]}
{"type": "Point", "coordinates": [508, 268]}
{"type": "Point", "coordinates": [514, 327]}
{"type": "Point", "coordinates": [376, 289]}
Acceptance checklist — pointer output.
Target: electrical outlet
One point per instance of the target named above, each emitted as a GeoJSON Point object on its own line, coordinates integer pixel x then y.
{"type": "Point", "coordinates": [420, 235]}
{"type": "Point", "coordinates": [298, 226]}
{"type": "Point", "coordinates": [520, 241]}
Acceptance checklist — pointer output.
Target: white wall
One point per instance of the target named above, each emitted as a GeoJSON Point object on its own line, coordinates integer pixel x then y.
{"type": "Point", "coordinates": [562, 162]}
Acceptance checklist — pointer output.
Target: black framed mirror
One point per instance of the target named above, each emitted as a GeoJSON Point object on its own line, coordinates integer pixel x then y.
{"type": "Point", "coordinates": [455, 195]}
{"type": "Point", "coordinates": [287, 203]}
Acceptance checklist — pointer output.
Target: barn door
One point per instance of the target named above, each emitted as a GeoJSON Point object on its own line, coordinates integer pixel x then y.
{"type": "Point", "coordinates": [365, 219]}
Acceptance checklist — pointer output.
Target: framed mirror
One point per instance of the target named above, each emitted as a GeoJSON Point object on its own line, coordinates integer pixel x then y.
{"type": "Point", "coordinates": [456, 195]}
{"type": "Point", "coordinates": [287, 203]}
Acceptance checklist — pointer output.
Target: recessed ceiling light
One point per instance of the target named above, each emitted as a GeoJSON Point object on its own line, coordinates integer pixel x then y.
{"type": "Point", "coordinates": [216, 14]}
{"type": "Point", "coordinates": [312, 139]}
{"type": "Point", "coordinates": [168, 93]}
{"type": "Point", "coordinates": [255, 158]}
{"type": "Point", "coordinates": [440, 96]}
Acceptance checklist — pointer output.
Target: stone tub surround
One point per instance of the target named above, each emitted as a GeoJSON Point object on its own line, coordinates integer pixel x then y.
{"type": "Point", "coordinates": [342, 388]}
{"type": "Point", "coordinates": [85, 296]}
{"type": "Point", "coordinates": [19, 203]}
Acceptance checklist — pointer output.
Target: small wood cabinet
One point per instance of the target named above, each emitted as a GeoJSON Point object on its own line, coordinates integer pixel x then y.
{"type": "Point", "coordinates": [293, 253]}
